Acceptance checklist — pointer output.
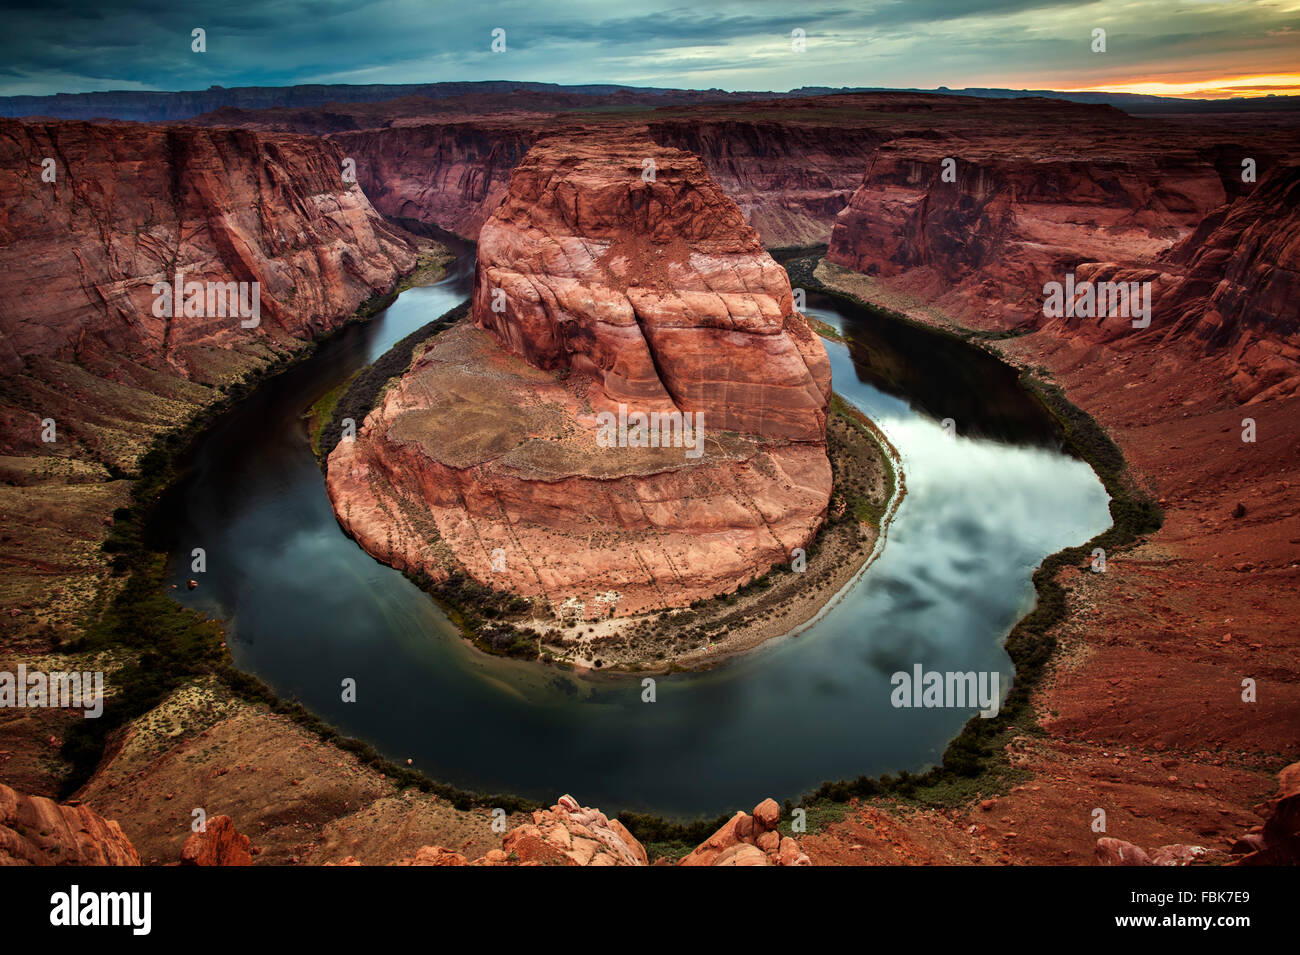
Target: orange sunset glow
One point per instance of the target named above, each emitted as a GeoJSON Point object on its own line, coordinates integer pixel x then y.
{"type": "Point", "coordinates": [1280, 84]}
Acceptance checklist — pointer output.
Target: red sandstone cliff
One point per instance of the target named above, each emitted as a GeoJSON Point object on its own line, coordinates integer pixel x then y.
{"type": "Point", "coordinates": [451, 176]}
{"type": "Point", "coordinates": [789, 180]}
{"type": "Point", "coordinates": [790, 164]}
{"type": "Point", "coordinates": [133, 205]}
{"type": "Point", "coordinates": [657, 287]}
{"type": "Point", "coordinates": [80, 342]}
{"type": "Point", "coordinates": [1017, 214]}
{"type": "Point", "coordinates": [38, 831]}
{"type": "Point", "coordinates": [612, 290]}
{"type": "Point", "coordinates": [1239, 290]}
{"type": "Point", "coordinates": [789, 177]}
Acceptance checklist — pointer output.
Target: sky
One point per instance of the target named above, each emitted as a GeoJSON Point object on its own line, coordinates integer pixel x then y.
{"type": "Point", "coordinates": [1203, 48]}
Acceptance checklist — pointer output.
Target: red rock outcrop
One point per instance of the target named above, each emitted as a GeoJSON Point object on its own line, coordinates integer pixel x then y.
{"type": "Point", "coordinates": [658, 288]}
{"type": "Point", "coordinates": [572, 835]}
{"type": "Point", "coordinates": [1277, 841]}
{"type": "Point", "coordinates": [38, 831]}
{"type": "Point", "coordinates": [447, 175]}
{"type": "Point", "coordinates": [486, 457]}
{"type": "Point", "coordinates": [749, 840]}
{"type": "Point", "coordinates": [566, 834]}
{"type": "Point", "coordinates": [218, 844]}
{"type": "Point", "coordinates": [569, 834]}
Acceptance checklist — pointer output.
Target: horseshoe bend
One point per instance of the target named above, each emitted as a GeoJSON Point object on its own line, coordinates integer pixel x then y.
{"type": "Point", "coordinates": [632, 418]}
{"type": "Point", "coordinates": [501, 473]}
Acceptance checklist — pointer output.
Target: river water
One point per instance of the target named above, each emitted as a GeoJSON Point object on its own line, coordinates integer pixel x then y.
{"type": "Point", "coordinates": [987, 499]}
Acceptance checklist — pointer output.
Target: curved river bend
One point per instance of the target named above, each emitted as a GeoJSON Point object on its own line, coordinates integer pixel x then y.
{"type": "Point", "coordinates": [305, 607]}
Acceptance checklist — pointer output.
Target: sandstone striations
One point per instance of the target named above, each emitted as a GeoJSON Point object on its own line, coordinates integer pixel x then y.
{"type": "Point", "coordinates": [448, 175]}
{"type": "Point", "coordinates": [599, 296]}
{"type": "Point", "coordinates": [789, 179]}
{"type": "Point", "coordinates": [132, 206]}
{"type": "Point", "coordinates": [980, 241]}
{"type": "Point", "coordinates": [791, 164]}
{"type": "Point", "coordinates": [1239, 289]}
{"type": "Point", "coordinates": [657, 288]}
{"type": "Point", "coordinates": [789, 176]}
{"type": "Point", "coordinates": [1013, 215]}
{"type": "Point", "coordinates": [38, 831]}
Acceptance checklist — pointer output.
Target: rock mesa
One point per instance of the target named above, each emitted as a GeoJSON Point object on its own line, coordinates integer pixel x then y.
{"type": "Point", "coordinates": [601, 291]}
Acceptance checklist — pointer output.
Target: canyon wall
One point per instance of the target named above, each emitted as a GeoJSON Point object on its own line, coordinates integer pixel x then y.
{"type": "Point", "coordinates": [451, 176]}
{"type": "Point", "coordinates": [1147, 710]}
{"type": "Point", "coordinates": [132, 205]}
{"type": "Point", "coordinates": [1014, 216]}
{"type": "Point", "coordinates": [791, 164]}
{"type": "Point", "coordinates": [789, 181]}
{"type": "Point", "coordinates": [1238, 288]}
{"type": "Point", "coordinates": [597, 288]}
{"type": "Point", "coordinates": [85, 360]}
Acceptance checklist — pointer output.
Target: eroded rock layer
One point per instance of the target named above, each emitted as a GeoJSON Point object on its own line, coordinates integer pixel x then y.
{"type": "Point", "coordinates": [600, 293]}
{"type": "Point", "coordinates": [978, 227]}
{"type": "Point", "coordinates": [130, 206]}
{"type": "Point", "coordinates": [38, 831]}
{"type": "Point", "coordinates": [977, 231]}
{"type": "Point", "coordinates": [658, 288]}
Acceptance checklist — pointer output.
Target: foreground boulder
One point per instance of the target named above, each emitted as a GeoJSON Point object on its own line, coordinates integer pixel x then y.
{"type": "Point", "coordinates": [566, 834]}
{"type": "Point", "coordinates": [1118, 852]}
{"type": "Point", "coordinates": [38, 831]}
{"type": "Point", "coordinates": [1277, 841]}
{"type": "Point", "coordinates": [749, 840]}
{"type": "Point", "coordinates": [570, 834]}
{"type": "Point", "coordinates": [636, 418]}
{"type": "Point", "coordinates": [218, 844]}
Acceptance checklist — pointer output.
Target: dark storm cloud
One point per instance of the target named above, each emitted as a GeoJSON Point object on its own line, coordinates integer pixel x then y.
{"type": "Point", "coordinates": [142, 44]}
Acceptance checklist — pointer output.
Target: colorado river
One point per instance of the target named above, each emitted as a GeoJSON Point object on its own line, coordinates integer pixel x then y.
{"type": "Point", "coordinates": [305, 607]}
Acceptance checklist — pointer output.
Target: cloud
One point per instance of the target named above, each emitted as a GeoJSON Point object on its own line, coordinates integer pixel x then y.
{"type": "Point", "coordinates": [61, 46]}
